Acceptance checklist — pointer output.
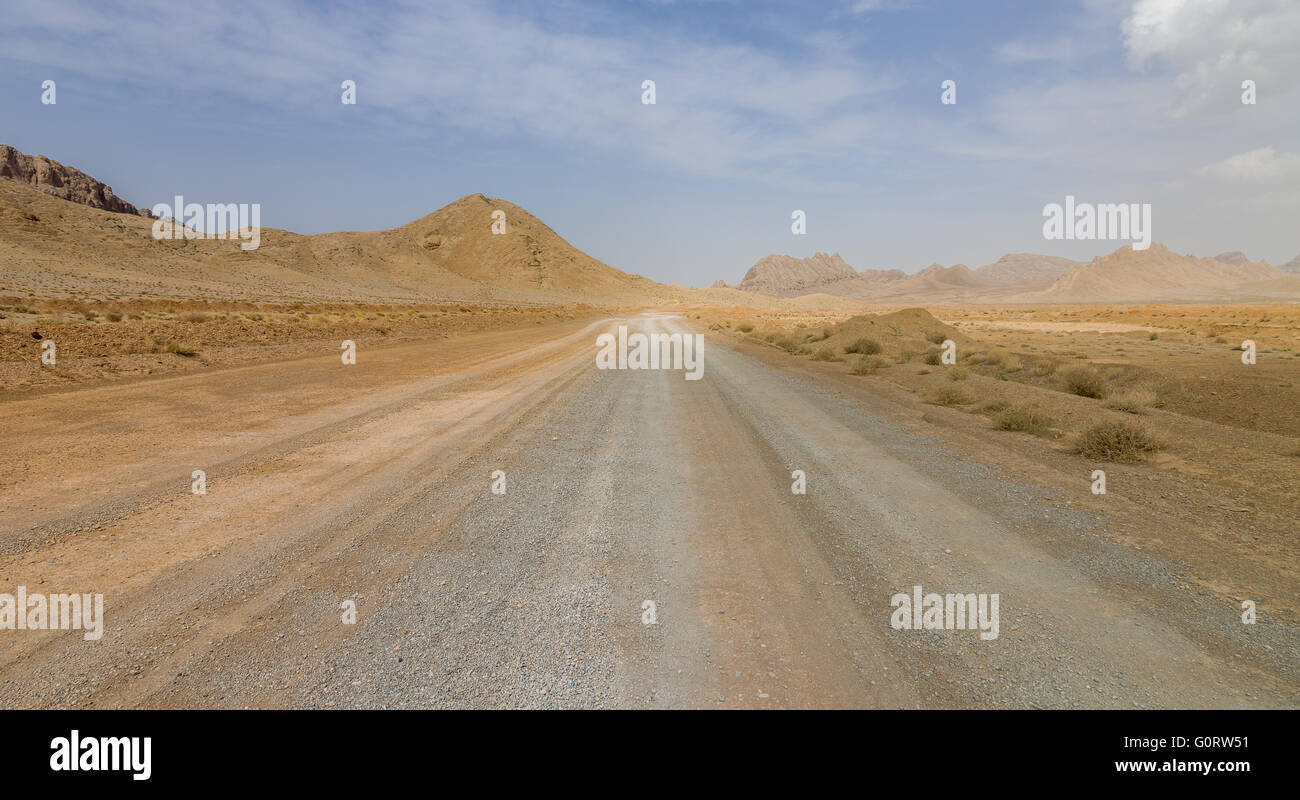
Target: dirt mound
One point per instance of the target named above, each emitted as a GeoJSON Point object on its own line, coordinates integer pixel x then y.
{"type": "Point", "coordinates": [912, 329]}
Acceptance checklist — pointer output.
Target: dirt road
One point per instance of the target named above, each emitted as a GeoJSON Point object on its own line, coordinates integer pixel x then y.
{"type": "Point", "coordinates": [373, 483]}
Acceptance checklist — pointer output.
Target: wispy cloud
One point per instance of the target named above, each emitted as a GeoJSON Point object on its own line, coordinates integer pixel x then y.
{"type": "Point", "coordinates": [1262, 165]}
{"type": "Point", "coordinates": [489, 74]}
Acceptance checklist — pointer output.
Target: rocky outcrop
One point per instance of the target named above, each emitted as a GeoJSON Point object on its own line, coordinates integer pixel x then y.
{"type": "Point", "coordinates": [777, 275]}
{"type": "Point", "coordinates": [1232, 257]}
{"type": "Point", "coordinates": [67, 183]}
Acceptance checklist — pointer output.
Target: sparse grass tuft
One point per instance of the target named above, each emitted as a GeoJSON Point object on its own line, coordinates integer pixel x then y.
{"type": "Point", "coordinates": [958, 373]}
{"type": "Point", "coordinates": [868, 365]}
{"type": "Point", "coordinates": [1116, 441]}
{"type": "Point", "coordinates": [194, 316]}
{"type": "Point", "coordinates": [1133, 401]}
{"type": "Point", "coordinates": [825, 354]}
{"type": "Point", "coordinates": [931, 356]}
{"type": "Point", "coordinates": [182, 350]}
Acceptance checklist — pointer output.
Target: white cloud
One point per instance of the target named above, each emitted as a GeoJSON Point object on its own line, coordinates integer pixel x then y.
{"type": "Point", "coordinates": [1263, 165]}
{"type": "Point", "coordinates": [1213, 45]}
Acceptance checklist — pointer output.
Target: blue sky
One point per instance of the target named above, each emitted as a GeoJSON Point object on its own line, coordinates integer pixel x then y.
{"type": "Point", "coordinates": [762, 108]}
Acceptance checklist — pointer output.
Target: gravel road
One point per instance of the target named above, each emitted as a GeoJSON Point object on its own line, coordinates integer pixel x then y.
{"type": "Point", "coordinates": [373, 484]}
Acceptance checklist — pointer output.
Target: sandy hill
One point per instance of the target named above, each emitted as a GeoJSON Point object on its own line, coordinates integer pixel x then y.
{"type": "Point", "coordinates": [1292, 266]}
{"type": "Point", "coordinates": [1158, 274]}
{"type": "Point", "coordinates": [52, 247]}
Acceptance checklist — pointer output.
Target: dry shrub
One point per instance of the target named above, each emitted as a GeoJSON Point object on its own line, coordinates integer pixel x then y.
{"type": "Point", "coordinates": [1019, 419]}
{"type": "Point", "coordinates": [864, 346]}
{"type": "Point", "coordinates": [194, 316]}
{"type": "Point", "coordinates": [825, 354]}
{"type": "Point", "coordinates": [950, 395]}
{"type": "Point", "coordinates": [1044, 368]}
{"type": "Point", "coordinates": [1116, 441]}
{"type": "Point", "coordinates": [931, 356]}
{"type": "Point", "coordinates": [957, 373]}
{"type": "Point", "coordinates": [1084, 381]}
{"type": "Point", "coordinates": [1134, 401]}
{"type": "Point", "coordinates": [868, 365]}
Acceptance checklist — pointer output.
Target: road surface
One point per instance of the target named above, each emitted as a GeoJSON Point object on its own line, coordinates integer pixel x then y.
{"type": "Point", "coordinates": [372, 483]}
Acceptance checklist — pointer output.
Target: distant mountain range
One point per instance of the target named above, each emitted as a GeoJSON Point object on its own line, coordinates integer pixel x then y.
{"type": "Point", "coordinates": [63, 232]}
{"type": "Point", "coordinates": [1127, 275]}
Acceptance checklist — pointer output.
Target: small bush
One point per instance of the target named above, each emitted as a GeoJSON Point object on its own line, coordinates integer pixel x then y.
{"type": "Point", "coordinates": [825, 354]}
{"type": "Point", "coordinates": [931, 356]}
{"type": "Point", "coordinates": [957, 373]}
{"type": "Point", "coordinates": [864, 346]}
{"type": "Point", "coordinates": [993, 407]}
{"type": "Point", "coordinates": [1084, 381]}
{"type": "Point", "coordinates": [182, 350]}
{"type": "Point", "coordinates": [950, 395]}
{"type": "Point", "coordinates": [745, 327]}
{"type": "Point", "coordinates": [1018, 419]}
{"type": "Point", "coordinates": [1116, 441]}
{"type": "Point", "coordinates": [194, 316]}
{"type": "Point", "coordinates": [113, 316]}
{"type": "Point", "coordinates": [1133, 401]}
{"type": "Point", "coordinates": [995, 356]}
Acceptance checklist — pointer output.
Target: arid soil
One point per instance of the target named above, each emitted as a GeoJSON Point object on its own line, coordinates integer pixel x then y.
{"type": "Point", "coordinates": [373, 483]}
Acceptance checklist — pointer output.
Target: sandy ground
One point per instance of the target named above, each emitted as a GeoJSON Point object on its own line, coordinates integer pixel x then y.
{"type": "Point", "coordinates": [372, 483]}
